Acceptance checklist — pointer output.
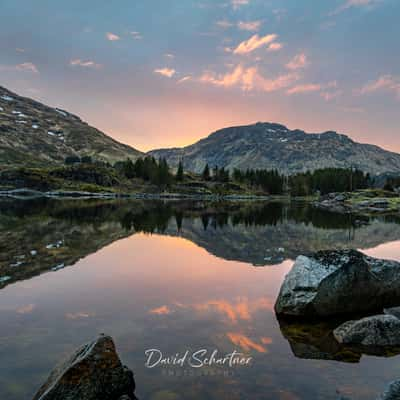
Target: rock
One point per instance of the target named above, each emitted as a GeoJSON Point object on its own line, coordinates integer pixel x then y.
{"type": "Point", "coordinates": [94, 372]}
{"type": "Point", "coordinates": [339, 282]}
{"type": "Point", "coordinates": [395, 311]}
{"type": "Point", "coordinates": [392, 392]}
{"type": "Point", "coordinates": [378, 330]}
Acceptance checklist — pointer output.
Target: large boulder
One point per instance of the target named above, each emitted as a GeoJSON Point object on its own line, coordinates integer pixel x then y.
{"type": "Point", "coordinates": [378, 330]}
{"type": "Point", "coordinates": [94, 372]}
{"type": "Point", "coordinates": [392, 392]}
{"type": "Point", "coordinates": [339, 282]}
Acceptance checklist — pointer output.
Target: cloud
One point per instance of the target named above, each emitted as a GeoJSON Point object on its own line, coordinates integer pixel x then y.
{"type": "Point", "coordinates": [168, 72]}
{"type": "Point", "coordinates": [249, 79]}
{"type": "Point", "coordinates": [112, 36]}
{"type": "Point", "coordinates": [78, 315]}
{"type": "Point", "coordinates": [84, 63]}
{"type": "Point", "coordinates": [249, 26]}
{"type": "Point", "coordinates": [185, 79]}
{"type": "Point", "coordinates": [306, 88]}
{"type": "Point", "coordinates": [169, 55]}
{"type": "Point", "coordinates": [163, 310]}
{"type": "Point", "coordinates": [27, 66]}
{"type": "Point", "coordinates": [354, 4]}
{"type": "Point", "coordinates": [254, 43]}
{"type": "Point", "coordinates": [275, 46]}
{"type": "Point", "coordinates": [387, 83]}
{"type": "Point", "coordinates": [224, 24]}
{"type": "Point", "coordinates": [297, 62]}
{"type": "Point", "coordinates": [20, 50]}
{"type": "Point", "coordinates": [134, 34]}
{"type": "Point", "coordinates": [236, 4]}
{"type": "Point", "coordinates": [26, 309]}
{"type": "Point", "coordinates": [314, 87]}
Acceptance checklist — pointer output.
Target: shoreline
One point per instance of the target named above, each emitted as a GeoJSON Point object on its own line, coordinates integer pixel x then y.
{"type": "Point", "coordinates": [25, 193]}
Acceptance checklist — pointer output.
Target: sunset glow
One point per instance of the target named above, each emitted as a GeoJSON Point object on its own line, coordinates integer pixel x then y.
{"type": "Point", "coordinates": [201, 66]}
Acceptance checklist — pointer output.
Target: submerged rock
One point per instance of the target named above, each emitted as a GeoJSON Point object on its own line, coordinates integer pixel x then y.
{"type": "Point", "coordinates": [378, 330]}
{"type": "Point", "coordinates": [94, 372]}
{"type": "Point", "coordinates": [339, 282]}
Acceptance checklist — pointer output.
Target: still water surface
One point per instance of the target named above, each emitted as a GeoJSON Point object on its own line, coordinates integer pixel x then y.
{"type": "Point", "coordinates": [178, 277]}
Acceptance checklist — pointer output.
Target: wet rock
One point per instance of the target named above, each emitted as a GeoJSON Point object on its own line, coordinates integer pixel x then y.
{"type": "Point", "coordinates": [94, 372]}
{"type": "Point", "coordinates": [395, 311]}
{"type": "Point", "coordinates": [378, 330]}
{"type": "Point", "coordinates": [392, 392]}
{"type": "Point", "coordinates": [339, 282]}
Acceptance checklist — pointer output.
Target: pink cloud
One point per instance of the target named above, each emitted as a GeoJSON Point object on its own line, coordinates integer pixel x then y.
{"type": "Point", "coordinates": [112, 36]}
{"type": "Point", "coordinates": [306, 88]}
{"type": "Point", "coordinates": [249, 79]}
{"type": "Point", "coordinates": [27, 66]}
{"type": "Point", "coordinates": [185, 79]}
{"type": "Point", "coordinates": [254, 43]}
{"type": "Point", "coordinates": [84, 63]}
{"type": "Point", "coordinates": [167, 72]}
{"type": "Point", "coordinates": [275, 46]}
{"type": "Point", "coordinates": [163, 310]}
{"type": "Point", "coordinates": [297, 62]}
{"type": "Point", "coordinates": [356, 3]}
{"type": "Point", "coordinates": [383, 83]}
{"type": "Point", "coordinates": [312, 87]}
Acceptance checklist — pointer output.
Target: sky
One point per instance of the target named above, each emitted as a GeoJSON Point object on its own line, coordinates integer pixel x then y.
{"type": "Point", "coordinates": [165, 73]}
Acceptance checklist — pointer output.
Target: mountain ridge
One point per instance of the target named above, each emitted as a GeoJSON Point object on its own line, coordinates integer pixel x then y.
{"type": "Point", "coordinates": [33, 134]}
{"type": "Point", "coordinates": [266, 145]}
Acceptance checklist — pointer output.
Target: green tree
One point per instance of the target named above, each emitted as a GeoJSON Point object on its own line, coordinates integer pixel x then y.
{"type": "Point", "coordinates": [179, 172]}
{"type": "Point", "coordinates": [206, 173]}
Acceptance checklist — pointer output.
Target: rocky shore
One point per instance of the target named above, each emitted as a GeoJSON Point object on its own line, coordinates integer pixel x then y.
{"type": "Point", "coordinates": [361, 203]}
{"type": "Point", "coordinates": [25, 193]}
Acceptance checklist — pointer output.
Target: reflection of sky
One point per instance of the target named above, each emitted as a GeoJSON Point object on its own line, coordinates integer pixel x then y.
{"type": "Point", "coordinates": [162, 73]}
{"type": "Point", "coordinates": [157, 291]}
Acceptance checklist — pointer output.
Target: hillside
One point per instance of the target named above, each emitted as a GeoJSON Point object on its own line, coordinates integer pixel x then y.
{"type": "Point", "coordinates": [32, 134]}
{"type": "Point", "coordinates": [273, 146]}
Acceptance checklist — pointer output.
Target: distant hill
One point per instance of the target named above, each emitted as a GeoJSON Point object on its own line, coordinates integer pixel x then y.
{"type": "Point", "coordinates": [33, 134]}
{"type": "Point", "coordinates": [273, 146]}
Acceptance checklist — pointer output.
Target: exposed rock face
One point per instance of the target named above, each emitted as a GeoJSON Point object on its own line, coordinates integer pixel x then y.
{"type": "Point", "coordinates": [274, 146]}
{"type": "Point", "coordinates": [94, 372]}
{"type": "Point", "coordinates": [378, 330]}
{"type": "Point", "coordinates": [338, 282]}
{"type": "Point", "coordinates": [32, 134]}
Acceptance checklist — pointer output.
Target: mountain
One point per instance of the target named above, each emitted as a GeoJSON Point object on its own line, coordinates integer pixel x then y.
{"type": "Point", "coordinates": [273, 146]}
{"type": "Point", "coordinates": [33, 134]}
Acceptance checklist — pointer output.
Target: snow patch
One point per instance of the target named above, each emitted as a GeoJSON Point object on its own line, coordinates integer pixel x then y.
{"type": "Point", "coordinates": [7, 98]}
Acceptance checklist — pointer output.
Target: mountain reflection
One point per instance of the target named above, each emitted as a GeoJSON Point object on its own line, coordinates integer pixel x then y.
{"type": "Point", "coordinates": [43, 234]}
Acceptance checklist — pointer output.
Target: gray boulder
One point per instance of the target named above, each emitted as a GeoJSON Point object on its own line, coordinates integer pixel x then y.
{"type": "Point", "coordinates": [392, 392]}
{"type": "Point", "coordinates": [378, 330]}
{"type": "Point", "coordinates": [338, 282]}
{"type": "Point", "coordinates": [94, 372]}
{"type": "Point", "coordinates": [395, 311]}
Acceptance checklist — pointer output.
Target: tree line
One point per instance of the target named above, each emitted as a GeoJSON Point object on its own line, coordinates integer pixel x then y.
{"type": "Point", "coordinates": [324, 181]}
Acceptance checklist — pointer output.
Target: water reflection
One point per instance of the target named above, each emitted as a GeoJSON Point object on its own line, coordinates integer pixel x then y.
{"type": "Point", "coordinates": [43, 235]}
{"type": "Point", "coordinates": [169, 291]}
{"type": "Point", "coordinates": [313, 340]}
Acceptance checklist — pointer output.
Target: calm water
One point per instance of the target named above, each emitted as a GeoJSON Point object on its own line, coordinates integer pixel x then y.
{"type": "Point", "coordinates": [177, 277]}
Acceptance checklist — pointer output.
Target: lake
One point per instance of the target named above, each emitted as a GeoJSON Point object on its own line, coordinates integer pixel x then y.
{"type": "Point", "coordinates": [179, 277]}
